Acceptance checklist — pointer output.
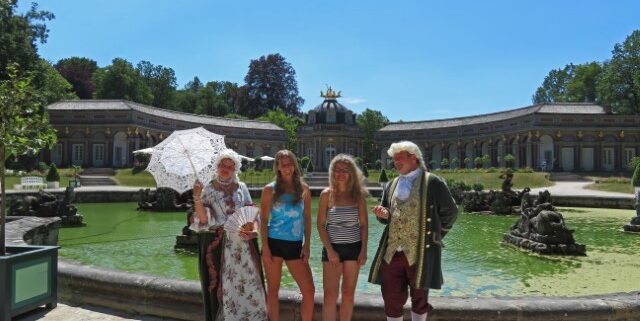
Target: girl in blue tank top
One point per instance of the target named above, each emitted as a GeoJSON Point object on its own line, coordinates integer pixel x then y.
{"type": "Point", "coordinates": [287, 220]}
{"type": "Point", "coordinates": [285, 231]}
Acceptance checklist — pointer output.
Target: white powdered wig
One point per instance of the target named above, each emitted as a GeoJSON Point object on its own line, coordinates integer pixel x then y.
{"type": "Point", "coordinates": [232, 155]}
{"type": "Point", "coordinates": [409, 147]}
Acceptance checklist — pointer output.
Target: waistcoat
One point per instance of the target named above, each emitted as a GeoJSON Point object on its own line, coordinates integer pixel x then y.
{"type": "Point", "coordinates": [403, 226]}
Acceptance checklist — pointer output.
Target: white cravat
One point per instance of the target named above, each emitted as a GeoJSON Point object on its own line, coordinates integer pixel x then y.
{"type": "Point", "coordinates": [405, 182]}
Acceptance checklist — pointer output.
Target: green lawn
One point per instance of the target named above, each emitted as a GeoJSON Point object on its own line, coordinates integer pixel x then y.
{"type": "Point", "coordinates": [65, 175]}
{"type": "Point", "coordinates": [125, 177]}
{"type": "Point", "coordinates": [260, 178]}
{"type": "Point", "coordinates": [613, 183]}
{"type": "Point", "coordinates": [488, 180]}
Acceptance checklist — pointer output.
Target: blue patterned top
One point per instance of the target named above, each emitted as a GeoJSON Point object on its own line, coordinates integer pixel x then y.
{"type": "Point", "coordinates": [287, 219]}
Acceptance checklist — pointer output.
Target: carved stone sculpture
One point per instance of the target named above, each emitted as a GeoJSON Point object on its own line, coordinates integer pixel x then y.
{"type": "Point", "coordinates": [541, 228]}
{"type": "Point", "coordinates": [45, 204]}
{"type": "Point", "coordinates": [163, 200]}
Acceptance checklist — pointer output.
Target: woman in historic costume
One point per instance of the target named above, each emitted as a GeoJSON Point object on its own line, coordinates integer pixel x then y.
{"type": "Point", "coordinates": [285, 231]}
{"type": "Point", "coordinates": [342, 226]}
{"type": "Point", "coordinates": [229, 261]}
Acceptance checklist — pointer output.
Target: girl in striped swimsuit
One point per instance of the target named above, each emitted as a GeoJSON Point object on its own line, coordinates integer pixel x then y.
{"type": "Point", "coordinates": [342, 226]}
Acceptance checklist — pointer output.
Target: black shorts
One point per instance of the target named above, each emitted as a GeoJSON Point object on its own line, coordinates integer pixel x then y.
{"type": "Point", "coordinates": [346, 251]}
{"type": "Point", "coordinates": [287, 250]}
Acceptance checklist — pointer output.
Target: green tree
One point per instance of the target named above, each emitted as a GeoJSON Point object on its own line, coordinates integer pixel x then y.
{"type": "Point", "coordinates": [304, 162]}
{"type": "Point", "coordinates": [121, 81]}
{"type": "Point", "coordinates": [18, 36]}
{"type": "Point", "coordinates": [53, 175]}
{"type": "Point", "coordinates": [24, 128]}
{"type": "Point", "coordinates": [635, 179]}
{"type": "Point", "coordinates": [444, 163]}
{"type": "Point", "coordinates": [619, 86]}
{"type": "Point", "coordinates": [79, 73]}
{"type": "Point", "coordinates": [383, 177]}
{"type": "Point", "coordinates": [370, 121]}
{"type": "Point", "coordinates": [161, 82]}
{"type": "Point", "coordinates": [271, 84]}
{"type": "Point", "coordinates": [455, 162]}
{"type": "Point", "coordinates": [217, 98]}
{"type": "Point", "coordinates": [51, 84]}
{"type": "Point", "coordinates": [467, 162]}
{"type": "Point", "coordinates": [582, 87]}
{"type": "Point", "coordinates": [554, 86]}
{"type": "Point", "coordinates": [509, 160]}
{"type": "Point", "coordinates": [187, 99]}
{"type": "Point", "coordinates": [287, 122]}
{"type": "Point", "coordinates": [478, 162]}
{"type": "Point", "coordinates": [486, 160]}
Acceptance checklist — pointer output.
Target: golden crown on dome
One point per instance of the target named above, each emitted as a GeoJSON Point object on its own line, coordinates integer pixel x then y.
{"type": "Point", "coordinates": [330, 94]}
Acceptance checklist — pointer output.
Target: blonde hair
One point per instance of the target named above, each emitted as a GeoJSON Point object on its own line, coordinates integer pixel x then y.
{"type": "Point", "coordinates": [297, 176]}
{"type": "Point", "coordinates": [409, 147]}
{"type": "Point", "coordinates": [355, 185]}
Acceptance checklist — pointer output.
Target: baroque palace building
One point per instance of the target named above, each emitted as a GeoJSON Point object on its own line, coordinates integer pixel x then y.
{"type": "Point", "coordinates": [104, 133]}
{"type": "Point", "coordinates": [559, 137]}
{"type": "Point", "coordinates": [563, 137]}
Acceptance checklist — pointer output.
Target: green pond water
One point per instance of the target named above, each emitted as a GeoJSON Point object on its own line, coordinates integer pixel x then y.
{"type": "Point", "coordinates": [475, 262]}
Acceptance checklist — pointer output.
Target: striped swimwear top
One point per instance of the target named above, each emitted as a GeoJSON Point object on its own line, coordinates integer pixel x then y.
{"type": "Point", "coordinates": [343, 224]}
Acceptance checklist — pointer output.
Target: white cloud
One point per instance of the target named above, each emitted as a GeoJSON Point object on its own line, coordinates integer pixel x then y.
{"type": "Point", "coordinates": [352, 101]}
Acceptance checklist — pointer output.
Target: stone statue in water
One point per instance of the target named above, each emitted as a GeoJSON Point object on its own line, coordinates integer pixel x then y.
{"type": "Point", "coordinates": [541, 228]}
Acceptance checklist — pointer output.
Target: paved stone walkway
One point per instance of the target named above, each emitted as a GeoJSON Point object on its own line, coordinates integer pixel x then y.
{"type": "Point", "coordinates": [68, 313]}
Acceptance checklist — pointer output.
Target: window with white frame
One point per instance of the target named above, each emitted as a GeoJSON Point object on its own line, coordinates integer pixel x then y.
{"type": "Point", "coordinates": [629, 154]}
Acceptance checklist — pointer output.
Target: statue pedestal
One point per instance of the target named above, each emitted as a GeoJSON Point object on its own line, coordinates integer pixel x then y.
{"type": "Point", "coordinates": [545, 248]}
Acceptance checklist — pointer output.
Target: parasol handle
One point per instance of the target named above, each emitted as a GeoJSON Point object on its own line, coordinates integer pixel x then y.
{"type": "Point", "coordinates": [195, 173]}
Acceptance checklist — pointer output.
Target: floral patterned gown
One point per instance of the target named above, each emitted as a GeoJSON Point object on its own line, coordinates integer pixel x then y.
{"type": "Point", "coordinates": [230, 271]}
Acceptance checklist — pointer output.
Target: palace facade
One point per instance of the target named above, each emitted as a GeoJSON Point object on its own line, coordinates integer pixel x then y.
{"type": "Point", "coordinates": [104, 133]}
{"type": "Point", "coordinates": [562, 137]}
{"type": "Point", "coordinates": [559, 137]}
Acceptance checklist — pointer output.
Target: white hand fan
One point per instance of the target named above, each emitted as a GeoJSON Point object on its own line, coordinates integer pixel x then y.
{"type": "Point", "coordinates": [242, 220]}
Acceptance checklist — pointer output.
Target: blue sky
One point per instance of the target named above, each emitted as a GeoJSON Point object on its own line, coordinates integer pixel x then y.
{"type": "Point", "coordinates": [412, 60]}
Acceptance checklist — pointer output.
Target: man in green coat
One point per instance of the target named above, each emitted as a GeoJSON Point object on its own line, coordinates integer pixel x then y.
{"type": "Point", "coordinates": [418, 209]}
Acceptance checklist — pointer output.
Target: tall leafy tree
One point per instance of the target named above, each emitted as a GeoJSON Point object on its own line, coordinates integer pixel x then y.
{"type": "Point", "coordinates": [18, 36]}
{"type": "Point", "coordinates": [161, 81]}
{"type": "Point", "coordinates": [370, 121]}
{"type": "Point", "coordinates": [619, 87]}
{"type": "Point", "coordinates": [271, 84]}
{"type": "Point", "coordinates": [24, 128]}
{"type": "Point", "coordinates": [216, 98]}
{"type": "Point", "coordinates": [289, 123]}
{"type": "Point", "coordinates": [53, 87]}
{"type": "Point", "coordinates": [78, 72]}
{"type": "Point", "coordinates": [187, 98]}
{"type": "Point", "coordinates": [582, 87]}
{"type": "Point", "coordinates": [121, 81]}
{"type": "Point", "coordinates": [554, 86]}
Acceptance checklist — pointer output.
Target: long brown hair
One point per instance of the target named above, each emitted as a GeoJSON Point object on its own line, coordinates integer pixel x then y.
{"type": "Point", "coordinates": [296, 179]}
{"type": "Point", "coordinates": [355, 185]}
